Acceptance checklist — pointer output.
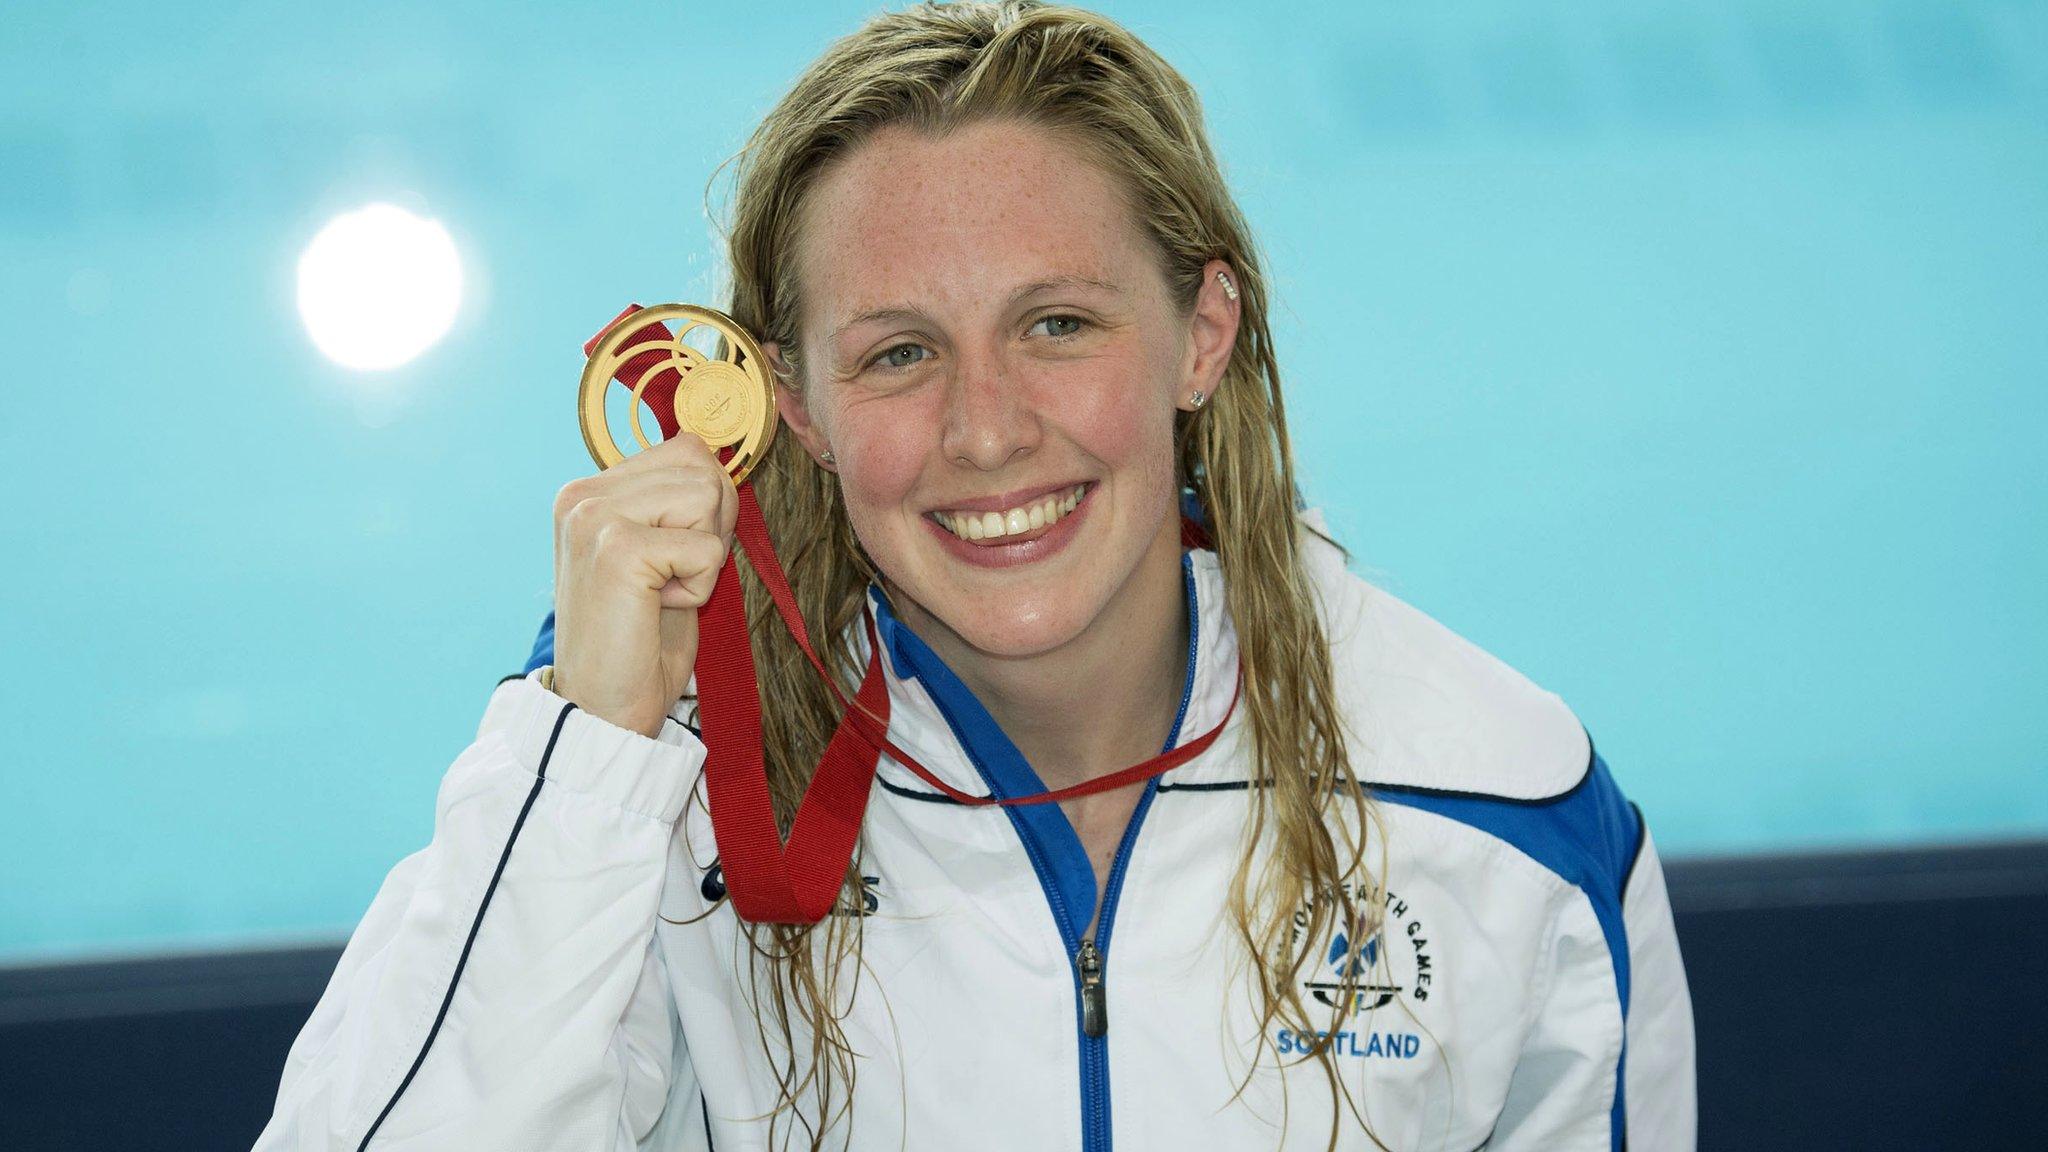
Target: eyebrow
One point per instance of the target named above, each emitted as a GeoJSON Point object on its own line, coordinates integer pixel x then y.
{"type": "Point", "coordinates": [906, 312]}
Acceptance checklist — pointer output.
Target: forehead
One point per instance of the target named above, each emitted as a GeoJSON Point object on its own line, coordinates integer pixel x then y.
{"type": "Point", "coordinates": [961, 219]}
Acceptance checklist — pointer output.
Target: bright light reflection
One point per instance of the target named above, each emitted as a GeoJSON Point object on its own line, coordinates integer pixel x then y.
{"type": "Point", "coordinates": [378, 286]}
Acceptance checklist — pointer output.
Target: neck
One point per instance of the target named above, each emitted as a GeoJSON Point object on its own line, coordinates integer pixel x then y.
{"type": "Point", "coordinates": [1104, 700]}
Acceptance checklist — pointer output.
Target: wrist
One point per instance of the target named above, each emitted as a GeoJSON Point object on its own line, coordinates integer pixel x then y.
{"type": "Point", "coordinates": [549, 681]}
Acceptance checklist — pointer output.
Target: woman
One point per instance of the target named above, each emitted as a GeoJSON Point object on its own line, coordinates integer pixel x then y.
{"type": "Point", "coordinates": [1020, 326]}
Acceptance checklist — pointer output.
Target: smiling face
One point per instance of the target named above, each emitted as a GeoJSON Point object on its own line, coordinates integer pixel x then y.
{"type": "Point", "coordinates": [991, 356]}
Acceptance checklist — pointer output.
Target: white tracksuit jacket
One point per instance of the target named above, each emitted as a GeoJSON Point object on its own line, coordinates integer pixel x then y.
{"type": "Point", "coordinates": [521, 983]}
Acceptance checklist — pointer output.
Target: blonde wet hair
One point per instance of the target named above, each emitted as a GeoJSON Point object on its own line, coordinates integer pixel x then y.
{"type": "Point", "coordinates": [934, 68]}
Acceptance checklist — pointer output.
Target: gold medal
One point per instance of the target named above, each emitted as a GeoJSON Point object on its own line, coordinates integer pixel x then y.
{"type": "Point", "coordinates": [726, 399]}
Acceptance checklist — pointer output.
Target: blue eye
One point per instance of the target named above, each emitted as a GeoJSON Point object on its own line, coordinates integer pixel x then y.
{"type": "Point", "coordinates": [1062, 327]}
{"type": "Point", "coordinates": [893, 358]}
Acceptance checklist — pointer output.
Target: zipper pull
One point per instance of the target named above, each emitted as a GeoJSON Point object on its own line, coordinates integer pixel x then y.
{"type": "Point", "coordinates": [1094, 1001]}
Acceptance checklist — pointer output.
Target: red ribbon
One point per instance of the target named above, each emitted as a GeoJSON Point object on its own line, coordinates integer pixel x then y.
{"type": "Point", "coordinates": [798, 882]}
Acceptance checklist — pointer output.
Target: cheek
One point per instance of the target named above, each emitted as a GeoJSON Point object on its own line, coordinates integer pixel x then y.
{"type": "Point", "coordinates": [881, 448]}
{"type": "Point", "coordinates": [1119, 414]}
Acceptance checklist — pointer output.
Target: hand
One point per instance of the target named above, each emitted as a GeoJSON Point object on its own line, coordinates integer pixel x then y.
{"type": "Point", "coordinates": [638, 548]}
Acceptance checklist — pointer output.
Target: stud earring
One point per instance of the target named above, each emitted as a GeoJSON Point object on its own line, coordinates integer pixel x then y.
{"type": "Point", "coordinates": [1229, 289]}
{"type": "Point", "coordinates": [828, 457]}
{"type": "Point", "coordinates": [1197, 400]}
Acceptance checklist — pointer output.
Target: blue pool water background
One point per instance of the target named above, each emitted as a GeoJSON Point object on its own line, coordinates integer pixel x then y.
{"type": "Point", "coordinates": [1688, 357]}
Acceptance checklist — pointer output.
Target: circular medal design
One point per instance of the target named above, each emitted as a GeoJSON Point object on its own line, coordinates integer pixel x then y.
{"type": "Point", "coordinates": [726, 399]}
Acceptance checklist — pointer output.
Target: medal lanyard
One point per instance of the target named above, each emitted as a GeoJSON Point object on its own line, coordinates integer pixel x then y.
{"type": "Point", "coordinates": [799, 882]}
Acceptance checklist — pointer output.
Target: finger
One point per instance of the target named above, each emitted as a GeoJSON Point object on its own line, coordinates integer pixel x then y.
{"type": "Point", "coordinates": [728, 506]}
{"type": "Point", "coordinates": [728, 512]}
{"type": "Point", "coordinates": [682, 449]}
{"type": "Point", "coordinates": [679, 564]}
{"type": "Point", "coordinates": [676, 594]}
{"type": "Point", "coordinates": [671, 498]}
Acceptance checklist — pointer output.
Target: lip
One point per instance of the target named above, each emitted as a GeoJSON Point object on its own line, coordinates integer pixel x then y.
{"type": "Point", "coordinates": [1050, 542]}
{"type": "Point", "coordinates": [1008, 500]}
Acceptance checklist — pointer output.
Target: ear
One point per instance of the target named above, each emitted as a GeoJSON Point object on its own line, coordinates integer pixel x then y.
{"type": "Point", "coordinates": [794, 405]}
{"type": "Point", "coordinates": [1212, 335]}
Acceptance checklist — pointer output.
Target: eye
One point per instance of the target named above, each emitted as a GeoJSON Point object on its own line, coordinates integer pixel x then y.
{"type": "Point", "coordinates": [1061, 327]}
{"type": "Point", "coordinates": [896, 357]}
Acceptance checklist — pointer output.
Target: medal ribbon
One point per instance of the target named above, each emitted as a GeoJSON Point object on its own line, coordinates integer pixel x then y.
{"type": "Point", "coordinates": [799, 882]}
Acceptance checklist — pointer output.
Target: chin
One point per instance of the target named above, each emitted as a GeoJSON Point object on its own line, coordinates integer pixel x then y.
{"type": "Point", "coordinates": [1015, 613]}
{"type": "Point", "coordinates": [1007, 624]}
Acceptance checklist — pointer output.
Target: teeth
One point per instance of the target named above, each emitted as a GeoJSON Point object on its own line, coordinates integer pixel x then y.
{"type": "Point", "coordinates": [1016, 521]}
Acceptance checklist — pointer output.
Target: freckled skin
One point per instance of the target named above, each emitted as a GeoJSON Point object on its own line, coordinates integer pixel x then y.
{"type": "Point", "coordinates": [986, 401]}
{"type": "Point", "coordinates": [932, 371]}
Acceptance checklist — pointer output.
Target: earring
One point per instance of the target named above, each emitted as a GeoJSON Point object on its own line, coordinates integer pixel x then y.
{"type": "Point", "coordinates": [828, 458]}
{"type": "Point", "coordinates": [1229, 289]}
{"type": "Point", "coordinates": [1197, 400]}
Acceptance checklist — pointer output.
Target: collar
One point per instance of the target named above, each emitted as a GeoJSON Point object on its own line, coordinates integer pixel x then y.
{"type": "Point", "coordinates": [1422, 706]}
{"type": "Point", "coordinates": [936, 718]}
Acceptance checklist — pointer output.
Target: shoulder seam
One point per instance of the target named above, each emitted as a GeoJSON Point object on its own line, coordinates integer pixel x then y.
{"type": "Point", "coordinates": [1585, 777]}
{"type": "Point", "coordinates": [1636, 852]}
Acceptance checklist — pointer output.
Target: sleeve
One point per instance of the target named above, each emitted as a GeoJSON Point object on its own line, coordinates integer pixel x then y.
{"type": "Point", "coordinates": [506, 988]}
{"type": "Point", "coordinates": [1658, 1077]}
{"type": "Point", "coordinates": [1607, 1062]}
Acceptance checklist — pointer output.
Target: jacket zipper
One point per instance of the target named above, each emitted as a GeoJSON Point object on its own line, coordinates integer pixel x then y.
{"type": "Point", "coordinates": [1091, 955]}
{"type": "Point", "coordinates": [1094, 1001]}
{"type": "Point", "coordinates": [1091, 959]}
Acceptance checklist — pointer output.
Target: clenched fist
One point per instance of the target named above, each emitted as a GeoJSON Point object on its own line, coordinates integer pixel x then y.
{"type": "Point", "coordinates": [638, 548]}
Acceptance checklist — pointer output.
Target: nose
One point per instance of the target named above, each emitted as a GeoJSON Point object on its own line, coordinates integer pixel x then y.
{"type": "Point", "coordinates": [989, 421]}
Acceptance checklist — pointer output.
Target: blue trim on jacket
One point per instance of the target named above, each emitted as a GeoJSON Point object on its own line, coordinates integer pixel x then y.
{"type": "Point", "coordinates": [543, 645]}
{"type": "Point", "coordinates": [1049, 841]}
{"type": "Point", "coordinates": [1004, 768]}
{"type": "Point", "coordinates": [1587, 835]}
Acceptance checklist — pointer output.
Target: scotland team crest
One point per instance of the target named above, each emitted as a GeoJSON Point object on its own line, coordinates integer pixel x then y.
{"type": "Point", "coordinates": [1382, 960]}
{"type": "Point", "coordinates": [1341, 963]}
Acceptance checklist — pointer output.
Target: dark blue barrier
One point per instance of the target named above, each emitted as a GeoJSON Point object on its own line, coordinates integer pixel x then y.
{"type": "Point", "coordinates": [1869, 1000]}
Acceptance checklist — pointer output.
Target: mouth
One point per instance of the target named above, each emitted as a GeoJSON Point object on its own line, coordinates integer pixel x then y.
{"type": "Point", "coordinates": [1015, 525]}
